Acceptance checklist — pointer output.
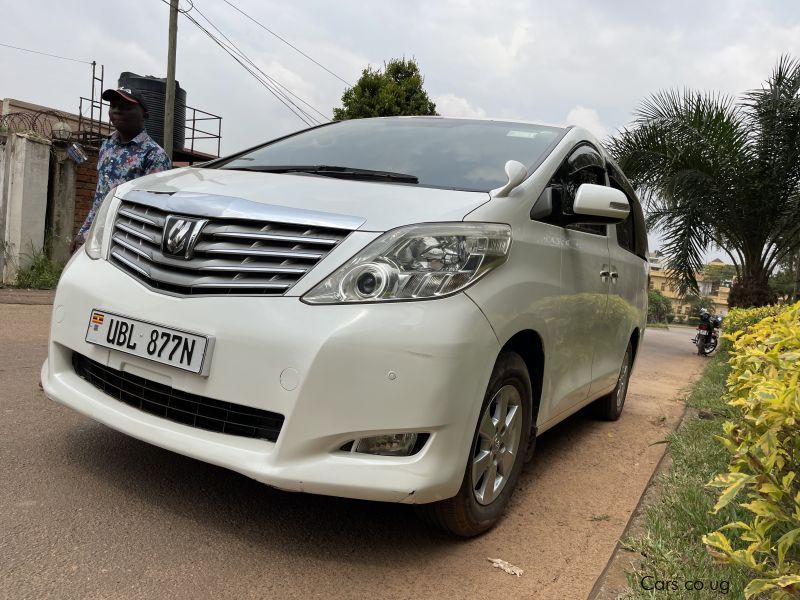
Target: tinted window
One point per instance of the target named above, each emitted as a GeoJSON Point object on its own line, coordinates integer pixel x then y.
{"type": "Point", "coordinates": [626, 236]}
{"type": "Point", "coordinates": [451, 153]}
{"type": "Point", "coordinates": [632, 233]}
{"type": "Point", "coordinates": [584, 165]}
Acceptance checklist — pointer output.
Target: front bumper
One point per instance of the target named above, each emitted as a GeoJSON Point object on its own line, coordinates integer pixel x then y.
{"type": "Point", "coordinates": [338, 359]}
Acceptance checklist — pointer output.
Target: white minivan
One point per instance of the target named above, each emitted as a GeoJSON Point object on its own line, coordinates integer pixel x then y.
{"type": "Point", "coordinates": [387, 309]}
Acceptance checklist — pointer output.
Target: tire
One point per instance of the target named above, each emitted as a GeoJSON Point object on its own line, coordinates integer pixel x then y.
{"type": "Point", "coordinates": [609, 407]}
{"type": "Point", "coordinates": [701, 344]}
{"type": "Point", "coordinates": [496, 455]}
{"type": "Point", "coordinates": [710, 346]}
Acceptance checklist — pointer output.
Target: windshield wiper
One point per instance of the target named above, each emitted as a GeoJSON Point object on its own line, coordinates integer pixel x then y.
{"type": "Point", "coordinates": [332, 171]}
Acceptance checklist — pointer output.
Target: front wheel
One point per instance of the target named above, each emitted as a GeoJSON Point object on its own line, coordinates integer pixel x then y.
{"type": "Point", "coordinates": [496, 455]}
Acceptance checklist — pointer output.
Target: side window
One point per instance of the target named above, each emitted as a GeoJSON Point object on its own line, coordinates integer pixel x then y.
{"type": "Point", "coordinates": [626, 231]}
{"type": "Point", "coordinates": [584, 165]}
{"type": "Point", "coordinates": [631, 233]}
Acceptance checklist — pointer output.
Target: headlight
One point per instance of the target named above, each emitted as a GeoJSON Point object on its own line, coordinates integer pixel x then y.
{"type": "Point", "coordinates": [94, 239]}
{"type": "Point", "coordinates": [417, 262]}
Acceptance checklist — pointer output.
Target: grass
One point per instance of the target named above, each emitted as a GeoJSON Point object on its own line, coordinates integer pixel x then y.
{"type": "Point", "coordinates": [42, 273]}
{"type": "Point", "coordinates": [669, 542]}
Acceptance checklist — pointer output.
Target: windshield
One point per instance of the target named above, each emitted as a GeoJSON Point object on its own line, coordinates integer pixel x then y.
{"type": "Point", "coordinates": [448, 153]}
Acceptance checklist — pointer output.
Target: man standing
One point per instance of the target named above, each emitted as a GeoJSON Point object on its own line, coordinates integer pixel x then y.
{"type": "Point", "coordinates": [126, 154]}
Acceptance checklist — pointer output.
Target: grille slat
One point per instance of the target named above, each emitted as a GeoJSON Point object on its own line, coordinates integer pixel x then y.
{"type": "Point", "coordinates": [231, 256]}
{"type": "Point", "coordinates": [139, 233]}
{"type": "Point", "coordinates": [272, 237]}
{"type": "Point", "coordinates": [133, 247]}
{"type": "Point", "coordinates": [178, 406]}
{"type": "Point", "coordinates": [224, 249]}
{"type": "Point", "coordinates": [137, 217]}
{"type": "Point", "coordinates": [143, 214]}
{"type": "Point", "coordinates": [187, 279]}
{"type": "Point", "coordinates": [129, 264]}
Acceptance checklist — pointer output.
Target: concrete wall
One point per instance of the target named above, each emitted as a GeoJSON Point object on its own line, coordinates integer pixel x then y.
{"type": "Point", "coordinates": [61, 203]}
{"type": "Point", "coordinates": [23, 198]}
{"type": "Point", "coordinates": [3, 176]}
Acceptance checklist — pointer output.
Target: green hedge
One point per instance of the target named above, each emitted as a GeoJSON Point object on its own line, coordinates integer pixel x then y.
{"type": "Point", "coordinates": [762, 481]}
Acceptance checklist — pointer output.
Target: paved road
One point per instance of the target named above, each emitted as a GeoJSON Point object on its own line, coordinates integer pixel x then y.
{"type": "Point", "coordinates": [86, 512]}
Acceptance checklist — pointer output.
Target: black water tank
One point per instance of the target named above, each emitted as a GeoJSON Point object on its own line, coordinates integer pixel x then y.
{"type": "Point", "coordinates": [154, 92]}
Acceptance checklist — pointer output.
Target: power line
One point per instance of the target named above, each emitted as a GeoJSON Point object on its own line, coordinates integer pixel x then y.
{"type": "Point", "coordinates": [295, 48]}
{"type": "Point", "coordinates": [279, 85]}
{"type": "Point", "coordinates": [298, 111]}
{"type": "Point", "coordinates": [302, 115]}
{"type": "Point", "coordinates": [270, 84]}
{"type": "Point", "coordinates": [280, 88]}
{"type": "Point", "coordinates": [86, 62]}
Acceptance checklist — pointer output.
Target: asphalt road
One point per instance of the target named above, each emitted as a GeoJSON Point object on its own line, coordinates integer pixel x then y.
{"type": "Point", "coordinates": [86, 512]}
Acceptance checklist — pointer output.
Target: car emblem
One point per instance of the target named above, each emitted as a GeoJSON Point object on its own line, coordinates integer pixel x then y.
{"type": "Point", "coordinates": [180, 235]}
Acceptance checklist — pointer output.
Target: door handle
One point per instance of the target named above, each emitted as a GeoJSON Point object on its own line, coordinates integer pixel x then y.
{"type": "Point", "coordinates": [605, 273]}
{"type": "Point", "coordinates": [614, 274]}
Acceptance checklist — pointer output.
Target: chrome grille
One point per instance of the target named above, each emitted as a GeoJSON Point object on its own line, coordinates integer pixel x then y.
{"type": "Point", "coordinates": [232, 256]}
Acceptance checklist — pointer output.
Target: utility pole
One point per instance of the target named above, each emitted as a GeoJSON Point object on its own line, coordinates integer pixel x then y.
{"type": "Point", "coordinates": [169, 105]}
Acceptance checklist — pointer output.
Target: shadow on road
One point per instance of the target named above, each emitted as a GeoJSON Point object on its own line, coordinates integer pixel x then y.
{"type": "Point", "coordinates": [306, 525]}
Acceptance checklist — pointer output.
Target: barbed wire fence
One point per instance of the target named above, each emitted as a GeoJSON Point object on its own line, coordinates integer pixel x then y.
{"type": "Point", "coordinates": [48, 124]}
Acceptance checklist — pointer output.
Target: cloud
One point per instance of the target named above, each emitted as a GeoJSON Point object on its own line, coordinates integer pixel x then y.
{"type": "Point", "coordinates": [450, 105]}
{"type": "Point", "coordinates": [588, 119]}
{"type": "Point", "coordinates": [512, 59]}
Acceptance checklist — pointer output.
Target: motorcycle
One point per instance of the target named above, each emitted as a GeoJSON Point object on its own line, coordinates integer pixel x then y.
{"type": "Point", "coordinates": [708, 330]}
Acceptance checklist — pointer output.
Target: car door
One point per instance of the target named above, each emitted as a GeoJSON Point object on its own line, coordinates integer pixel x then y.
{"type": "Point", "coordinates": [585, 281]}
{"type": "Point", "coordinates": [628, 288]}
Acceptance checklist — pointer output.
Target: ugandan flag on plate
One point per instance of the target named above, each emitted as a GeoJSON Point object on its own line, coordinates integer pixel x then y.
{"type": "Point", "coordinates": [97, 319]}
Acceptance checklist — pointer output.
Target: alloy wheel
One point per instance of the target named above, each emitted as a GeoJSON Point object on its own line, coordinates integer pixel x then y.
{"type": "Point", "coordinates": [497, 446]}
{"type": "Point", "coordinates": [622, 383]}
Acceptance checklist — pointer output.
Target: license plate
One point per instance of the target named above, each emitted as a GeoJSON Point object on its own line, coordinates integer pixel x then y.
{"type": "Point", "coordinates": [166, 345]}
{"type": "Point", "coordinates": [701, 332]}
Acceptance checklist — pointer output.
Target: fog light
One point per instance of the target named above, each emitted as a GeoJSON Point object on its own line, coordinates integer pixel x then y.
{"type": "Point", "coordinates": [395, 444]}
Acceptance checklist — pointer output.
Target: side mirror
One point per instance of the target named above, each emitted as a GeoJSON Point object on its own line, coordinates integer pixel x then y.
{"type": "Point", "coordinates": [599, 204]}
{"type": "Point", "coordinates": [516, 173]}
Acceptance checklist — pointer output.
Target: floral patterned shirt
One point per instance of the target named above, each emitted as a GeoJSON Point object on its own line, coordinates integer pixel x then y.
{"type": "Point", "coordinates": [120, 162]}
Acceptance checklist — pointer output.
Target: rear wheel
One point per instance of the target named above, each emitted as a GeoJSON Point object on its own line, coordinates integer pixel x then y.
{"type": "Point", "coordinates": [709, 347]}
{"type": "Point", "coordinates": [609, 407]}
{"type": "Point", "coordinates": [496, 455]}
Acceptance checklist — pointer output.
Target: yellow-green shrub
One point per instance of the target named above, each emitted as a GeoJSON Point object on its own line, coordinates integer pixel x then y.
{"type": "Point", "coordinates": [765, 456]}
{"type": "Point", "coordinates": [739, 319]}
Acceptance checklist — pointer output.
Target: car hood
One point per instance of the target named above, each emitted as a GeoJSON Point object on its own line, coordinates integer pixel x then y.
{"type": "Point", "coordinates": [378, 206]}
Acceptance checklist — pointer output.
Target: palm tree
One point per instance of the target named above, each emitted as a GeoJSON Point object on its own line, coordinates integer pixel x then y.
{"type": "Point", "coordinates": [713, 170]}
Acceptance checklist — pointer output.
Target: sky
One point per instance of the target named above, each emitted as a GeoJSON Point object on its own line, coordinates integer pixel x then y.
{"type": "Point", "coordinates": [578, 62]}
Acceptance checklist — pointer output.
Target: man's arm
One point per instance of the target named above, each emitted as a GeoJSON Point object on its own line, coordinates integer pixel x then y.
{"type": "Point", "coordinates": [157, 161]}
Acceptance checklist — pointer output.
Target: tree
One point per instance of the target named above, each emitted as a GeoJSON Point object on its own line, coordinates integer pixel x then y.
{"type": "Point", "coordinates": [717, 273]}
{"type": "Point", "coordinates": [715, 171]}
{"type": "Point", "coordinates": [395, 91]}
{"type": "Point", "coordinates": [658, 306]}
{"type": "Point", "coordinates": [697, 302]}
{"type": "Point", "coordinates": [784, 282]}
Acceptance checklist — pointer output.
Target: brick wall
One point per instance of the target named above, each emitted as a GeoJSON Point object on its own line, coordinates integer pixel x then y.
{"type": "Point", "coordinates": [85, 185]}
